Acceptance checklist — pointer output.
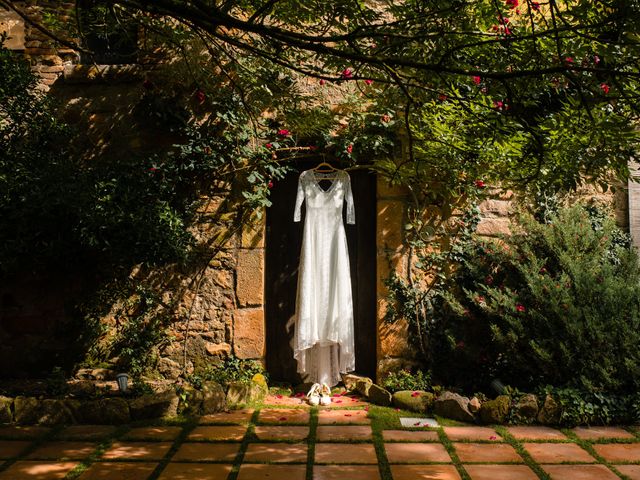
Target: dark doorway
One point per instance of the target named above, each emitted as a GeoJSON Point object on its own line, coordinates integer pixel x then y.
{"type": "Point", "coordinates": [283, 243]}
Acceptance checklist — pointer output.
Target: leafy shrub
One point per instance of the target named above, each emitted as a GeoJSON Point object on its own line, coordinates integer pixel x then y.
{"type": "Point", "coordinates": [230, 370]}
{"type": "Point", "coordinates": [588, 408]}
{"type": "Point", "coordinates": [405, 380]}
{"type": "Point", "coordinates": [555, 303]}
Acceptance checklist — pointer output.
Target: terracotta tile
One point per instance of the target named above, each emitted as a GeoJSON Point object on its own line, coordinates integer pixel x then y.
{"type": "Point", "coordinates": [22, 433]}
{"type": "Point", "coordinates": [345, 453]}
{"type": "Point", "coordinates": [281, 432]}
{"type": "Point", "coordinates": [195, 471]}
{"type": "Point", "coordinates": [272, 472]}
{"type": "Point", "coordinates": [137, 450]}
{"type": "Point", "coordinates": [37, 470]}
{"type": "Point", "coordinates": [119, 471]}
{"type": "Point", "coordinates": [215, 452]}
{"type": "Point", "coordinates": [230, 417]}
{"type": "Point", "coordinates": [486, 452]}
{"type": "Point", "coordinates": [631, 471]}
{"type": "Point", "coordinates": [424, 472]}
{"type": "Point", "coordinates": [284, 415]}
{"type": "Point", "coordinates": [87, 432]}
{"type": "Point", "coordinates": [536, 433]}
{"type": "Point", "coordinates": [335, 416]}
{"type": "Point", "coordinates": [63, 450]}
{"type": "Point", "coordinates": [410, 436]}
{"type": "Point", "coordinates": [276, 453]}
{"type": "Point", "coordinates": [579, 472]}
{"type": "Point", "coordinates": [12, 448]}
{"type": "Point", "coordinates": [327, 433]}
{"type": "Point", "coordinates": [619, 452]}
{"type": "Point", "coordinates": [472, 433]}
{"type": "Point", "coordinates": [594, 433]}
{"type": "Point", "coordinates": [154, 434]}
{"type": "Point", "coordinates": [416, 452]}
{"type": "Point", "coordinates": [286, 401]}
{"type": "Point", "coordinates": [344, 472]}
{"type": "Point", "coordinates": [500, 472]}
{"type": "Point", "coordinates": [231, 432]}
{"type": "Point", "coordinates": [558, 453]}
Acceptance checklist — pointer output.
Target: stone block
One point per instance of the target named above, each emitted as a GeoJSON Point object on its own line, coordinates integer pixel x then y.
{"type": "Point", "coordinates": [378, 395]}
{"type": "Point", "coordinates": [493, 227]}
{"type": "Point", "coordinates": [218, 349]}
{"type": "Point", "coordinates": [250, 277]}
{"type": "Point", "coordinates": [26, 410]}
{"type": "Point", "coordinates": [414, 401]}
{"type": "Point", "coordinates": [169, 368]}
{"type": "Point", "coordinates": [527, 407]}
{"type": "Point", "coordinates": [6, 416]}
{"type": "Point", "coordinates": [213, 398]}
{"type": "Point", "coordinates": [454, 406]}
{"type": "Point", "coordinates": [495, 208]}
{"type": "Point", "coordinates": [550, 412]}
{"type": "Point", "coordinates": [156, 405]}
{"type": "Point", "coordinates": [495, 411]}
{"type": "Point", "coordinates": [106, 411]}
{"type": "Point", "coordinates": [390, 223]}
{"type": "Point", "coordinates": [54, 412]}
{"type": "Point", "coordinates": [249, 333]}
{"type": "Point", "coordinates": [351, 380]}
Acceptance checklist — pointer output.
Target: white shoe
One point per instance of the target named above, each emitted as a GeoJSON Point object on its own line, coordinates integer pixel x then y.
{"type": "Point", "coordinates": [325, 395]}
{"type": "Point", "coordinates": [313, 396]}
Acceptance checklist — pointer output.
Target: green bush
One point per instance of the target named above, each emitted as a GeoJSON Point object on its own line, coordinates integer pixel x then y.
{"type": "Point", "coordinates": [405, 380]}
{"type": "Point", "coordinates": [555, 303]}
{"type": "Point", "coordinates": [230, 370]}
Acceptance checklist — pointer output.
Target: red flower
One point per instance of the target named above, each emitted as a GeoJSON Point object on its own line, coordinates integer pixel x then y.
{"type": "Point", "coordinates": [415, 394]}
{"type": "Point", "coordinates": [442, 97]}
{"type": "Point", "coordinates": [479, 184]}
{"type": "Point", "coordinates": [498, 104]}
{"type": "Point", "coordinates": [350, 148]}
{"type": "Point", "coordinates": [153, 169]}
{"type": "Point", "coordinates": [322, 81]}
{"type": "Point", "coordinates": [347, 73]}
{"type": "Point", "coordinates": [270, 185]}
{"type": "Point", "coordinates": [535, 6]}
{"type": "Point", "coordinates": [507, 30]}
{"type": "Point", "coordinates": [368, 81]}
{"type": "Point", "coordinates": [200, 96]}
{"type": "Point", "coordinates": [503, 20]}
{"type": "Point", "coordinates": [480, 299]}
{"type": "Point", "coordinates": [477, 79]}
{"type": "Point", "coordinates": [512, 3]}
{"type": "Point", "coordinates": [569, 59]}
{"type": "Point", "coordinates": [269, 145]}
{"type": "Point", "coordinates": [520, 307]}
{"type": "Point", "coordinates": [385, 118]}
{"type": "Point", "coordinates": [605, 88]}
{"type": "Point", "coordinates": [283, 132]}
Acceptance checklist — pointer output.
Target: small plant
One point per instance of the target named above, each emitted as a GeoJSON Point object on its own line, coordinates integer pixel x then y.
{"type": "Point", "coordinates": [230, 370]}
{"type": "Point", "coordinates": [405, 380]}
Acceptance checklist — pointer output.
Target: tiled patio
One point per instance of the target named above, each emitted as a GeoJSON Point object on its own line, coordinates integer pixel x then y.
{"type": "Point", "coordinates": [290, 442]}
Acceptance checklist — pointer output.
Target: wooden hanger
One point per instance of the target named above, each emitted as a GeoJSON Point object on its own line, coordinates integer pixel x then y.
{"type": "Point", "coordinates": [324, 167]}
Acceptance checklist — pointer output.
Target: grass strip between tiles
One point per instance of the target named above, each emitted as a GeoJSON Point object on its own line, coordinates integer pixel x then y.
{"type": "Point", "coordinates": [377, 427]}
{"type": "Point", "coordinates": [588, 446]}
{"type": "Point", "coordinates": [103, 446]}
{"type": "Point", "coordinates": [448, 445]}
{"type": "Point", "coordinates": [248, 436]}
{"type": "Point", "coordinates": [311, 441]}
{"type": "Point", "coordinates": [186, 430]}
{"type": "Point", "coordinates": [518, 447]}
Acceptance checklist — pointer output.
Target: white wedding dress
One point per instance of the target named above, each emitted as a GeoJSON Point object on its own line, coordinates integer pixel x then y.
{"type": "Point", "coordinates": [323, 342]}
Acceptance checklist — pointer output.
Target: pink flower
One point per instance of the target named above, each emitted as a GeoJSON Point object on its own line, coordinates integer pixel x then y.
{"type": "Point", "coordinates": [498, 104]}
{"type": "Point", "coordinates": [596, 59]}
{"type": "Point", "coordinates": [337, 401]}
{"type": "Point", "coordinates": [153, 169]}
{"type": "Point", "coordinates": [507, 30]}
{"type": "Point", "coordinates": [543, 270]}
{"type": "Point", "coordinates": [368, 81]}
{"type": "Point", "coordinates": [503, 20]}
{"type": "Point", "coordinates": [283, 132]}
{"type": "Point", "coordinates": [417, 424]}
{"type": "Point", "coordinates": [568, 59]}
{"type": "Point", "coordinates": [350, 148]}
{"type": "Point", "coordinates": [322, 81]}
{"type": "Point", "coordinates": [605, 88]}
{"type": "Point", "coordinates": [385, 118]}
{"type": "Point", "coordinates": [493, 437]}
{"type": "Point", "coordinates": [271, 185]}
{"type": "Point", "coordinates": [347, 73]}
{"type": "Point", "coordinates": [335, 395]}
{"type": "Point", "coordinates": [477, 79]}
{"type": "Point", "coordinates": [512, 3]}
{"type": "Point", "coordinates": [269, 145]}
{"type": "Point", "coordinates": [479, 184]}
{"type": "Point", "coordinates": [520, 307]}
{"type": "Point", "coordinates": [480, 299]}
{"type": "Point", "coordinates": [415, 394]}
{"type": "Point", "coordinates": [200, 96]}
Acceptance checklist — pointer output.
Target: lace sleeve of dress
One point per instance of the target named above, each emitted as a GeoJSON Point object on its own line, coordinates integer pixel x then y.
{"type": "Point", "coordinates": [299, 199]}
{"type": "Point", "coordinates": [351, 213]}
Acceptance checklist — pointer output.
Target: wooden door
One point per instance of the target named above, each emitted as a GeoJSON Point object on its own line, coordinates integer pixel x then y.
{"type": "Point", "coordinates": [283, 243]}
